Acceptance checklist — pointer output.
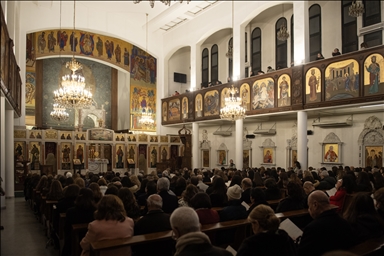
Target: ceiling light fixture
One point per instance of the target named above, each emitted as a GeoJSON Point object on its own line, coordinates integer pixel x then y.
{"type": "Point", "coordinates": [356, 9]}
{"type": "Point", "coordinates": [152, 2]}
{"type": "Point", "coordinates": [72, 92]}
{"type": "Point", "coordinates": [282, 34]}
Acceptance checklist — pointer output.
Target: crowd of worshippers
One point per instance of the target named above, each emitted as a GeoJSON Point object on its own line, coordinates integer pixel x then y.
{"type": "Point", "coordinates": [120, 206]}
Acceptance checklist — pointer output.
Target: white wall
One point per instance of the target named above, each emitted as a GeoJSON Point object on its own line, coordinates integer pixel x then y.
{"type": "Point", "coordinates": [285, 130]}
{"type": "Point", "coordinates": [179, 63]}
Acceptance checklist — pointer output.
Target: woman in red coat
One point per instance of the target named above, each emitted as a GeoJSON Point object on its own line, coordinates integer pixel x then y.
{"type": "Point", "coordinates": [344, 186]}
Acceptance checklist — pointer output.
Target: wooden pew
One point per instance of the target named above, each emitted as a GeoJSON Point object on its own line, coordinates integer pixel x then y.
{"type": "Point", "coordinates": [369, 247]}
{"type": "Point", "coordinates": [76, 230]}
{"type": "Point", "coordinates": [99, 246]}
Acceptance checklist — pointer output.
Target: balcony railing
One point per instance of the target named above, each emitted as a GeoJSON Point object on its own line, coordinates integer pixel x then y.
{"type": "Point", "coordinates": [10, 71]}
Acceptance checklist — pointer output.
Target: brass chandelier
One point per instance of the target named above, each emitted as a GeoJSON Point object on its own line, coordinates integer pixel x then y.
{"type": "Point", "coordinates": [282, 34]}
{"type": "Point", "coordinates": [356, 9]}
{"type": "Point", "coordinates": [72, 92]}
{"type": "Point", "coordinates": [233, 109]}
{"type": "Point", "coordinates": [59, 114]}
{"type": "Point", "coordinates": [152, 2]}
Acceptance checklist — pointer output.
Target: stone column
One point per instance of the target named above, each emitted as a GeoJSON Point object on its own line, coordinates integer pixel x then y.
{"type": "Point", "coordinates": [239, 144]}
{"type": "Point", "coordinates": [301, 32]}
{"type": "Point", "coordinates": [195, 146]}
{"type": "Point", "coordinates": [302, 155]}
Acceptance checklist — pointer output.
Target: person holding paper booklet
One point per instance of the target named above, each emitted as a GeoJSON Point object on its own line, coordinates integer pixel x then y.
{"type": "Point", "coordinates": [344, 186]}
{"type": "Point", "coordinates": [268, 239]}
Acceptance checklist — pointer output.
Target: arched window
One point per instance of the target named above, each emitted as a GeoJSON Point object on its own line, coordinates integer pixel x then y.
{"type": "Point", "coordinates": [214, 63]}
{"type": "Point", "coordinates": [349, 29]}
{"type": "Point", "coordinates": [371, 16]}
{"type": "Point", "coordinates": [314, 31]}
{"type": "Point", "coordinates": [292, 42]}
{"type": "Point", "coordinates": [281, 46]}
{"type": "Point", "coordinates": [256, 50]}
{"type": "Point", "coordinates": [230, 61]}
{"type": "Point", "coordinates": [204, 68]}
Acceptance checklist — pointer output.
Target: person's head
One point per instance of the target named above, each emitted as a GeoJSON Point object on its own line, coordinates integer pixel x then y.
{"type": "Point", "coordinates": [361, 203]}
{"type": "Point", "coordinates": [126, 195]}
{"type": "Point", "coordinates": [297, 164]}
{"type": "Point", "coordinates": [200, 200]}
{"type": "Point", "coordinates": [236, 179]}
{"type": "Point", "coordinates": [85, 199]}
{"type": "Point", "coordinates": [324, 174]}
{"type": "Point", "coordinates": [184, 220]}
{"type": "Point", "coordinates": [110, 207]}
{"type": "Point", "coordinates": [163, 184]}
{"type": "Point", "coordinates": [318, 202]}
{"type": "Point", "coordinates": [379, 197]}
{"type": "Point", "coordinates": [319, 55]}
{"type": "Point", "coordinates": [257, 195]}
{"type": "Point", "coordinates": [102, 182]}
{"type": "Point", "coordinates": [189, 192]}
{"type": "Point", "coordinates": [151, 187]}
{"type": "Point", "coordinates": [295, 190]}
{"type": "Point", "coordinates": [112, 190]}
{"type": "Point", "coordinates": [234, 192]}
{"type": "Point", "coordinates": [336, 50]}
{"type": "Point", "coordinates": [154, 202]}
{"type": "Point", "coordinates": [308, 187]}
{"type": "Point", "coordinates": [231, 161]}
{"type": "Point", "coordinates": [72, 191]}
{"type": "Point", "coordinates": [194, 180]}
{"type": "Point", "coordinates": [80, 182]}
{"type": "Point", "coordinates": [56, 187]}
{"type": "Point", "coordinates": [263, 219]}
{"type": "Point", "coordinates": [246, 183]}
{"type": "Point", "coordinates": [96, 191]}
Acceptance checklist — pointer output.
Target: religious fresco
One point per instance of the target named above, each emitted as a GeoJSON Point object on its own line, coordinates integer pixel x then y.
{"type": "Point", "coordinates": [268, 155]}
{"type": "Point", "coordinates": [342, 80]}
{"type": "Point", "coordinates": [68, 42]}
{"type": "Point", "coordinates": [163, 138]}
{"type": "Point", "coordinates": [331, 153]}
{"type": "Point", "coordinates": [79, 153]}
{"type": "Point", "coordinates": [142, 157]}
{"type": "Point", "coordinates": [284, 92]}
{"type": "Point", "coordinates": [153, 156]}
{"type": "Point", "coordinates": [153, 139]}
{"type": "Point", "coordinates": [185, 107]}
{"type": "Point", "coordinates": [164, 149]}
{"type": "Point", "coordinates": [374, 74]}
{"type": "Point", "coordinates": [132, 137]}
{"type": "Point", "coordinates": [245, 94]}
{"type": "Point", "coordinates": [211, 103]}
{"type": "Point", "coordinates": [246, 157]}
{"type": "Point", "coordinates": [313, 85]}
{"type": "Point", "coordinates": [143, 137]}
{"type": "Point", "coordinates": [374, 156]}
{"type": "Point", "coordinates": [174, 110]}
{"type": "Point", "coordinates": [199, 105]}
{"type": "Point", "coordinates": [34, 155]}
{"type": "Point", "coordinates": [65, 149]}
{"type": "Point", "coordinates": [126, 56]}
{"type": "Point", "coordinates": [119, 156]}
{"type": "Point", "coordinates": [165, 111]}
{"type": "Point", "coordinates": [30, 89]}
{"type": "Point", "coordinates": [4, 48]}
{"type": "Point", "coordinates": [20, 151]}
{"type": "Point", "coordinates": [131, 153]}
{"type": "Point", "coordinates": [263, 94]}
{"type": "Point", "coordinates": [224, 93]}
{"type": "Point", "coordinates": [143, 100]}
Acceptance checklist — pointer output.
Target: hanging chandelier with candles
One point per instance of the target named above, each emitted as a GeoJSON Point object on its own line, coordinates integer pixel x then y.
{"type": "Point", "coordinates": [233, 109]}
{"type": "Point", "coordinates": [356, 9]}
{"type": "Point", "coordinates": [282, 34]}
{"type": "Point", "coordinates": [152, 2]}
{"type": "Point", "coordinates": [72, 92]}
{"type": "Point", "coordinates": [146, 119]}
{"type": "Point", "coordinates": [59, 114]}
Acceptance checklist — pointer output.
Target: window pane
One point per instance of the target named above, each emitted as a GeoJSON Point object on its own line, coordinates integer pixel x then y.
{"type": "Point", "coordinates": [205, 63]}
{"type": "Point", "coordinates": [214, 49]}
{"type": "Point", "coordinates": [349, 33]}
{"type": "Point", "coordinates": [314, 10]}
{"type": "Point", "coordinates": [258, 44]}
{"type": "Point", "coordinates": [256, 32]}
{"type": "Point", "coordinates": [314, 25]}
{"type": "Point", "coordinates": [214, 59]}
{"type": "Point", "coordinates": [372, 7]}
{"type": "Point", "coordinates": [214, 74]}
{"type": "Point", "coordinates": [346, 16]}
{"type": "Point", "coordinates": [314, 42]}
{"type": "Point", "coordinates": [205, 52]}
{"type": "Point", "coordinates": [374, 39]}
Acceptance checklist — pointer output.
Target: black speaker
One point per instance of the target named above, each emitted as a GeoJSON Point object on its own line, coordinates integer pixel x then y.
{"type": "Point", "coordinates": [309, 132]}
{"type": "Point", "coordinates": [250, 136]}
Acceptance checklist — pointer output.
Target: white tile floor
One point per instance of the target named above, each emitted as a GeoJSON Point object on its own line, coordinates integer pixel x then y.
{"type": "Point", "coordinates": [22, 234]}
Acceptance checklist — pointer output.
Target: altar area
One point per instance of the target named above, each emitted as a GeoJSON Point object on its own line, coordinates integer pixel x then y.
{"type": "Point", "coordinates": [96, 150]}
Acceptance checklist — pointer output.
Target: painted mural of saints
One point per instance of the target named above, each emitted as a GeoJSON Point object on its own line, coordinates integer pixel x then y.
{"type": "Point", "coordinates": [87, 44]}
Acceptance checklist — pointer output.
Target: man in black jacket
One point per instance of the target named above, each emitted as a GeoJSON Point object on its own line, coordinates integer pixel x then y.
{"type": "Point", "coordinates": [328, 231]}
{"type": "Point", "coordinates": [327, 182]}
{"type": "Point", "coordinates": [170, 202]}
{"type": "Point", "coordinates": [154, 221]}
